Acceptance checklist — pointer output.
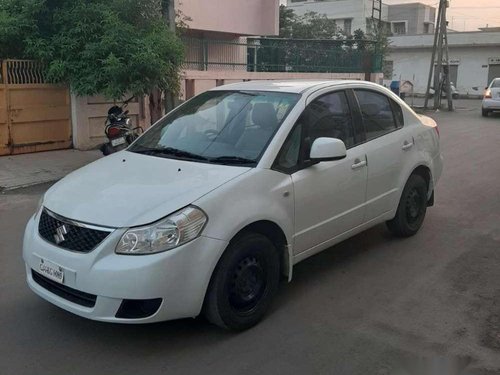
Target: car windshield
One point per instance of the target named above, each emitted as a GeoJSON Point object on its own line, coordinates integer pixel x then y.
{"type": "Point", "coordinates": [495, 83]}
{"type": "Point", "coordinates": [223, 127]}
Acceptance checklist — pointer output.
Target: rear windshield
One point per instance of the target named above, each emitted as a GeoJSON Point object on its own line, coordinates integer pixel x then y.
{"type": "Point", "coordinates": [495, 83]}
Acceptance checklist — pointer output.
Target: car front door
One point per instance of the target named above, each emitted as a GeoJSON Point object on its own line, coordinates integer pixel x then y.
{"type": "Point", "coordinates": [388, 147]}
{"type": "Point", "coordinates": [329, 196]}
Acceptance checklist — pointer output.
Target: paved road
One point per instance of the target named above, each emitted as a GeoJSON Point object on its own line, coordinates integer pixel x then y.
{"type": "Point", "coordinates": [362, 307]}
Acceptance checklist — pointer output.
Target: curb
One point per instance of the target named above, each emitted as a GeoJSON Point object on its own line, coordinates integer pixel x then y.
{"type": "Point", "coordinates": [5, 189]}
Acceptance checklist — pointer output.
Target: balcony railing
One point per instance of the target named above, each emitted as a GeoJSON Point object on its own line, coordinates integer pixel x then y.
{"type": "Point", "coordinates": [283, 55]}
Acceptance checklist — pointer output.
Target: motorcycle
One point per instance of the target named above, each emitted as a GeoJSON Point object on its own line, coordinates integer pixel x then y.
{"type": "Point", "coordinates": [118, 129]}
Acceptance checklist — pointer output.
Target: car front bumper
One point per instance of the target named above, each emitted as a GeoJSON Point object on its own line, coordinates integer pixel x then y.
{"type": "Point", "coordinates": [179, 277]}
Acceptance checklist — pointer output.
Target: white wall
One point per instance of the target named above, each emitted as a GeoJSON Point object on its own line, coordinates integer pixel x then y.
{"type": "Point", "coordinates": [413, 65]}
{"type": "Point", "coordinates": [471, 51]}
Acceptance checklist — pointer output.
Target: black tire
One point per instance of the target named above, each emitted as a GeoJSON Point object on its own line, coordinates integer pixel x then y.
{"type": "Point", "coordinates": [244, 283]}
{"type": "Point", "coordinates": [411, 209]}
{"type": "Point", "coordinates": [485, 112]}
{"type": "Point", "coordinates": [107, 149]}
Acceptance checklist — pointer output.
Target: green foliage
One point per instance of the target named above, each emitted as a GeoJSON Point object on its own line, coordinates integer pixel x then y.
{"type": "Point", "coordinates": [288, 18]}
{"type": "Point", "coordinates": [311, 25]}
{"type": "Point", "coordinates": [18, 22]}
{"type": "Point", "coordinates": [109, 47]}
{"type": "Point", "coordinates": [370, 48]}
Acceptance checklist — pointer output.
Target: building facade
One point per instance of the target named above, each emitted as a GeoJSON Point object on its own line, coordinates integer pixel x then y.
{"type": "Point", "coordinates": [350, 15]}
{"type": "Point", "coordinates": [474, 60]}
{"type": "Point", "coordinates": [219, 49]}
{"type": "Point", "coordinates": [412, 19]}
{"type": "Point", "coordinates": [231, 18]}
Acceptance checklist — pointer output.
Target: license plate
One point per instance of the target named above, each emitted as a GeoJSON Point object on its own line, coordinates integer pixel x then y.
{"type": "Point", "coordinates": [51, 271]}
{"type": "Point", "coordinates": [117, 141]}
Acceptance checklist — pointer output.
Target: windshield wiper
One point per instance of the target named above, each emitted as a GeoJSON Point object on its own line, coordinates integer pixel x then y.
{"type": "Point", "coordinates": [170, 151]}
{"type": "Point", "coordinates": [232, 160]}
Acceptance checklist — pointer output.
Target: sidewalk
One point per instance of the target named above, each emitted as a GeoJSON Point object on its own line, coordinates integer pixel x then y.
{"type": "Point", "coordinates": [31, 169]}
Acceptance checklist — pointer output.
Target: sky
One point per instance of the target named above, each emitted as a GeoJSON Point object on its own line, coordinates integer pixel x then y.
{"type": "Point", "coordinates": [464, 15]}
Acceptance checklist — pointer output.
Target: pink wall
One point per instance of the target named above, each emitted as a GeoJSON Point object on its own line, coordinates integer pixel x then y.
{"type": "Point", "coordinates": [240, 17]}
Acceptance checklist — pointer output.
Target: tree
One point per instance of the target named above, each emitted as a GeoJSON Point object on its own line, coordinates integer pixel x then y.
{"type": "Point", "coordinates": [109, 47]}
{"type": "Point", "coordinates": [376, 41]}
{"type": "Point", "coordinates": [311, 25]}
{"type": "Point", "coordinates": [287, 20]}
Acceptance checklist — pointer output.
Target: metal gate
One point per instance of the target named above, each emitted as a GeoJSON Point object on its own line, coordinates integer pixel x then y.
{"type": "Point", "coordinates": [34, 116]}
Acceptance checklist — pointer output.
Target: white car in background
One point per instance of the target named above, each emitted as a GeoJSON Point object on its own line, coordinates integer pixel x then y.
{"type": "Point", "coordinates": [220, 199]}
{"type": "Point", "coordinates": [491, 100]}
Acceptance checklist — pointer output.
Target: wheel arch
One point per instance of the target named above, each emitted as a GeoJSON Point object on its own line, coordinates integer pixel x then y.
{"type": "Point", "coordinates": [425, 172]}
{"type": "Point", "coordinates": [277, 236]}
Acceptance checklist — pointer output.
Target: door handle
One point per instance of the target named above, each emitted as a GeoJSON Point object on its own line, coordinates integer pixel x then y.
{"type": "Point", "coordinates": [358, 164]}
{"type": "Point", "coordinates": [407, 145]}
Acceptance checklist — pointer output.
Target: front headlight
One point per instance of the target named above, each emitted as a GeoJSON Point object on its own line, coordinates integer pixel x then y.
{"type": "Point", "coordinates": [173, 231]}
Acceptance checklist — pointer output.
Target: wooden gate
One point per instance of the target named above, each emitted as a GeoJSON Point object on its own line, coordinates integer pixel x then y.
{"type": "Point", "coordinates": [34, 116]}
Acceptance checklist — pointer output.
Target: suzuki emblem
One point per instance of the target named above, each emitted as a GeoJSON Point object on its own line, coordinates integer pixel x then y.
{"type": "Point", "coordinates": [60, 233]}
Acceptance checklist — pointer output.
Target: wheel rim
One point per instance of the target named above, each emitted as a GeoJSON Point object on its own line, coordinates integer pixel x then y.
{"type": "Point", "coordinates": [247, 284]}
{"type": "Point", "coordinates": [414, 207]}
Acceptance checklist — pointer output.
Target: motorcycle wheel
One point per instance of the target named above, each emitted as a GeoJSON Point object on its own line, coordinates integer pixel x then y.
{"type": "Point", "coordinates": [107, 149]}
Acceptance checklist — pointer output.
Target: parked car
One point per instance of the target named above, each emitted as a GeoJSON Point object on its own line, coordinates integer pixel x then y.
{"type": "Point", "coordinates": [491, 100]}
{"type": "Point", "coordinates": [220, 199]}
{"type": "Point", "coordinates": [455, 94]}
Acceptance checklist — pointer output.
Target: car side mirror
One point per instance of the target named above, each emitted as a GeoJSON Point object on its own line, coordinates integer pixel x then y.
{"type": "Point", "coordinates": [327, 149]}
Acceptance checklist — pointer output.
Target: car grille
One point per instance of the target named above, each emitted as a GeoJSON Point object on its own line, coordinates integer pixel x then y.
{"type": "Point", "coordinates": [63, 291]}
{"type": "Point", "coordinates": [69, 234]}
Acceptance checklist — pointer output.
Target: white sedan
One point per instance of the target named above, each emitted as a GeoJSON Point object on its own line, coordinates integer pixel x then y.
{"type": "Point", "coordinates": [220, 199]}
{"type": "Point", "coordinates": [491, 100]}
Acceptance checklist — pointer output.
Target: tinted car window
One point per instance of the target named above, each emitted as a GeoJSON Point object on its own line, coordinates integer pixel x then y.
{"type": "Point", "coordinates": [495, 83]}
{"type": "Point", "coordinates": [330, 116]}
{"type": "Point", "coordinates": [398, 114]}
{"type": "Point", "coordinates": [376, 110]}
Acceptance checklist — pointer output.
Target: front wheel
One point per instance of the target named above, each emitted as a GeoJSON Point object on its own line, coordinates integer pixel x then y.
{"type": "Point", "coordinates": [107, 149]}
{"type": "Point", "coordinates": [411, 209]}
{"type": "Point", "coordinates": [243, 283]}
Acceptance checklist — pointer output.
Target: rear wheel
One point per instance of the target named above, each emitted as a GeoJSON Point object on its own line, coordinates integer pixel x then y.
{"type": "Point", "coordinates": [485, 112]}
{"type": "Point", "coordinates": [411, 209]}
{"type": "Point", "coordinates": [243, 283]}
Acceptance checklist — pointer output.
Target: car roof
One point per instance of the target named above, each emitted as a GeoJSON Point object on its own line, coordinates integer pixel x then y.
{"type": "Point", "coordinates": [289, 86]}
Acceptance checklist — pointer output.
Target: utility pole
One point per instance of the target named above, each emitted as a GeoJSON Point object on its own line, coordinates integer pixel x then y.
{"type": "Point", "coordinates": [377, 10]}
{"type": "Point", "coordinates": [169, 13]}
{"type": "Point", "coordinates": [442, 69]}
{"type": "Point", "coordinates": [168, 10]}
{"type": "Point", "coordinates": [376, 27]}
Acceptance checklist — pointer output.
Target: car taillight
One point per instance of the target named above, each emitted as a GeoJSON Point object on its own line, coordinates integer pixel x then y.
{"type": "Point", "coordinates": [436, 129]}
{"type": "Point", "coordinates": [487, 94]}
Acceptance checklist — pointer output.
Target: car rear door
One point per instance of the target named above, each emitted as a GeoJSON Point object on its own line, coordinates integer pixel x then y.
{"type": "Point", "coordinates": [388, 147]}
